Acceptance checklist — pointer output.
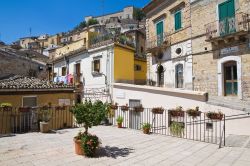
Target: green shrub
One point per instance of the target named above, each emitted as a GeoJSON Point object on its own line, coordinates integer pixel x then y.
{"type": "Point", "coordinates": [177, 129]}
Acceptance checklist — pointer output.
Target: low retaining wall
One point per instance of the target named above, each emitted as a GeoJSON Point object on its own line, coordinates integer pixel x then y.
{"type": "Point", "coordinates": [151, 97]}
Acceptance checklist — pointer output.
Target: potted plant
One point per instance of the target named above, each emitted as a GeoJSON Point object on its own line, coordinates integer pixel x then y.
{"type": "Point", "coordinates": [158, 110]}
{"type": "Point", "coordinates": [194, 112]}
{"type": "Point", "coordinates": [119, 121]}
{"type": "Point", "coordinates": [6, 106]}
{"type": "Point", "coordinates": [177, 112]}
{"type": "Point", "coordinates": [215, 115]}
{"type": "Point", "coordinates": [139, 108]}
{"type": "Point", "coordinates": [146, 128]}
{"type": "Point", "coordinates": [45, 118]}
{"type": "Point", "coordinates": [89, 114]}
{"type": "Point", "coordinates": [177, 129]}
{"type": "Point", "coordinates": [114, 106]}
{"type": "Point", "coordinates": [124, 107]}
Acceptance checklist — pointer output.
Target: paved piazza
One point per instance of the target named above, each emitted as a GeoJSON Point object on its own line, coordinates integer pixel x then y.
{"type": "Point", "coordinates": [119, 147]}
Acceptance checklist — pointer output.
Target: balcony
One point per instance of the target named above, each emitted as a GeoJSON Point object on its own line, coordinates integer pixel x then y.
{"type": "Point", "coordinates": [231, 27]}
{"type": "Point", "coordinates": [102, 40]}
{"type": "Point", "coordinates": [158, 42]}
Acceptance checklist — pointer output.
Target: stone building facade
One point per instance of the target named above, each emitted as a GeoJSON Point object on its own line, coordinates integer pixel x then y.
{"type": "Point", "coordinates": [168, 32]}
{"type": "Point", "coordinates": [221, 49]}
{"type": "Point", "coordinates": [16, 62]}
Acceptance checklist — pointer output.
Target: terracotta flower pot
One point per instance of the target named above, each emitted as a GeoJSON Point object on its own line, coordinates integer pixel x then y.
{"type": "Point", "coordinates": [44, 127]}
{"type": "Point", "coordinates": [146, 131]}
{"type": "Point", "coordinates": [119, 125]}
{"type": "Point", "coordinates": [78, 148]}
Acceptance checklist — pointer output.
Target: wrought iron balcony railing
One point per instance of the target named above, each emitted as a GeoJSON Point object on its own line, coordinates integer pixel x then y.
{"type": "Point", "coordinates": [227, 26]}
{"type": "Point", "coordinates": [158, 41]}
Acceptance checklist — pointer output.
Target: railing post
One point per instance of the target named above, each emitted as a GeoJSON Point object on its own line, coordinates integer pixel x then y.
{"type": "Point", "coordinates": [224, 130]}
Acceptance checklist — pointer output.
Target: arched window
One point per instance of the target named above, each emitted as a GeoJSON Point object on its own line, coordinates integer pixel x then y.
{"type": "Point", "coordinates": [179, 76]}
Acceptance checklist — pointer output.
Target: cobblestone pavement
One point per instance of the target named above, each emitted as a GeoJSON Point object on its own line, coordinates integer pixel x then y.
{"type": "Point", "coordinates": [119, 147]}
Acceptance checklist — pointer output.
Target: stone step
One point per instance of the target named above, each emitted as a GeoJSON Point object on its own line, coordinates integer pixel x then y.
{"type": "Point", "coordinates": [231, 103]}
{"type": "Point", "coordinates": [242, 141]}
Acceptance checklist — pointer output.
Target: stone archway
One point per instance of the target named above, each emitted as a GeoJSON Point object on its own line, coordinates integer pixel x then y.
{"type": "Point", "coordinates": [228, 63]}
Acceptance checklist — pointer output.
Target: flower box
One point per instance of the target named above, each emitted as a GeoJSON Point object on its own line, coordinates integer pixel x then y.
{"type": "Point", "coordinates": [114, 107]}
{"type": "Point", "coordinates": [194, 112]}
{"type": "Point", "coordinates": [24, 109]}
{"type": "Point", "coordinates": [215, 115]}
{"type": "Point", "coordinates": [158, 110]}
{"type": "Point", "coordinates": [175, 113]}
{"type": "Point", "coordinates": [138, 109]}
{"type": "Point", "coordinates": [6, 108]}
{"type": "Point", "coordinates": [124, 108]}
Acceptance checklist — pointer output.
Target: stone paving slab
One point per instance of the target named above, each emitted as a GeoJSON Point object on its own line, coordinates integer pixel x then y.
{"type": "Point", "coordinates": [119, 147]}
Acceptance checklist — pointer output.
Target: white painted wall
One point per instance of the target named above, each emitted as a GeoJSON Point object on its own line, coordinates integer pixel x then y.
{"type": "Point", "coordinates": [169, 66]}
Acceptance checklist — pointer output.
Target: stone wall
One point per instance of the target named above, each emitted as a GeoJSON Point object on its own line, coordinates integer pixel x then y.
{"type": "Point", "coordinates": [11, 64]}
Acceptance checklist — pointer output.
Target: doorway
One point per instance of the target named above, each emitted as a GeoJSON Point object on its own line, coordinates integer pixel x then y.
{"type": "Point", "coordinates": [160, 75]}
{"type": "Point", "coordinates": [179, 76]}
{"type": "Point", "coordinates": [230, 79]}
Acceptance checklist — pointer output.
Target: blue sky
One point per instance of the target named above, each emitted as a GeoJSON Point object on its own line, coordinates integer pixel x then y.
{"type": "Point", "coordinates": [51, 16]}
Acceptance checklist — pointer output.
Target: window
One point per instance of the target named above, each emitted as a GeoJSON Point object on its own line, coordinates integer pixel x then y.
{"type": "Point", "coordinates": [137, 68]}
{"type": "Point", "coordinates": [29, 101]}
{"type": "Point", "coordinates": [78, 68]}
{"type": "Point", "coordinates": [85, 41]}
{"type": "Point", "coordinates": [177, 20]}
{"type": "Point", "coordinates": [64, 71]}
{"type": "Point", "coordinates": [142, 49]}
{"type": "Point", "coordinates": [96, 66]}
{"type": "Point", "coordinates": [179, 75]}
{"type": "Point", "coordinates": [159, 33]}
{"type": "Point", "coordinates": [227, 17]}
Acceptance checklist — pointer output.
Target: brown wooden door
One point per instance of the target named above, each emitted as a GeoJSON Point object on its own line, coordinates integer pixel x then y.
{"type": "Point", "coordinates": [230, 79]}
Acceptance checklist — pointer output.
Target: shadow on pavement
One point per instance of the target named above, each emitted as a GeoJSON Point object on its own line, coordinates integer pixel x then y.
{"type": "Point", "coordinates": [113, 152]}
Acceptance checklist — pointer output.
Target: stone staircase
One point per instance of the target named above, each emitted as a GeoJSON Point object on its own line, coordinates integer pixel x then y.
{"type": "Point", "coordinates": [230, 102]}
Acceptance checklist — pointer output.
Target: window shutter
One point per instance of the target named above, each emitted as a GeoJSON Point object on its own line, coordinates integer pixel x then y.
{"type": "Point", "coordinates": [177, 17]}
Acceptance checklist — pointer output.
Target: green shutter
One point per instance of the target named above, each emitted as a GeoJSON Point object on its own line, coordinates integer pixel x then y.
{"type": "Point", "coordinates": [159, 32]}
{"type": "Point", "coordinates": [226, 14]}
{"type": "Point", "coordinates": [177, 18]}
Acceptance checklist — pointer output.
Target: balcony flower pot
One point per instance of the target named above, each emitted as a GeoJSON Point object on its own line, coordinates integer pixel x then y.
{"type": "Point", "coordinates": [125, 107]}
{"type": "Point", "coordinates": [114, 106]}
{"type": "Point", "coordinates": [158, 110]}
{"type": "Point", "coordinates": [194, 112]}
{"type": "Point", "coordinates": [6, 108]}
{"type": "Point", "coordinates": [178, 112]}
{"type": "Point", "coordinates": [24, 109]}
{"type": "Point", "coordinates": [215, 115]}
{"type": "Point", "coordinates": [139, 109]}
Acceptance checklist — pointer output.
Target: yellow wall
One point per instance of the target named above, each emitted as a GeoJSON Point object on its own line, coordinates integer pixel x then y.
{"type": "Point", "coordinates": [141, 76]}
{"type": "Point", "coordinates": [42, 99]}
{"type": "Point", "coordinates": [123, 64]}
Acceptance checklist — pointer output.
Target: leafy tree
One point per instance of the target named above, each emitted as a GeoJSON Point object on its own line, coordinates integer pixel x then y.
{"type": "Point", "coordinates": [139, 15]}
{"type": "Point", "coordinates": [92, 21]}
{"type": "Point", "coordinates": [90, 114]}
